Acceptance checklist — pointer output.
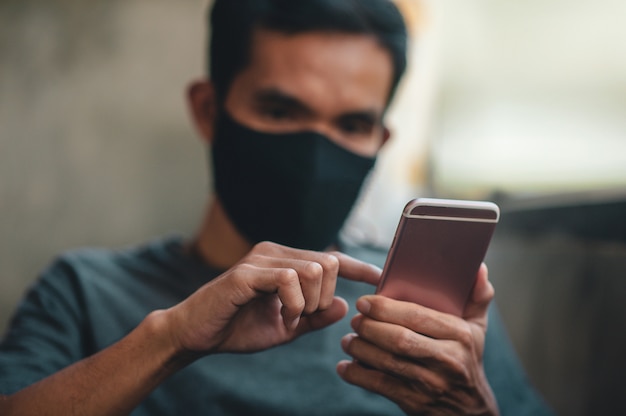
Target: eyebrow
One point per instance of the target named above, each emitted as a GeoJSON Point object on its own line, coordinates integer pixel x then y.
{"type": "Point", "coordinates": [277, 97]}
{"type": "Point", "coordinates": [369, 116]}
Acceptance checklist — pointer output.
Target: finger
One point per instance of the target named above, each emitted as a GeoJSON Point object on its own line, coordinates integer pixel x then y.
{"type": "Point", "coordinates": [404, 342]}
{"type": "Point", "coordinates": [318, 276]}
{"type": "Point", "coordinates": [310, 274]}
{"type": "Point", "coordinates": [253, 280]}
{"type": "Point", "coordinates": [270, 249]}
{"type": "Point", "coordinates": [310, 278]}
{"type": "Point", "coordinates": [410, 315]}
{"type": "Point", "coordinates": [482, 295]}
{"type": "Point", "coordinates": [323, 318]}
{"type": "Point", "coordinates": [346, 266]}
{"type": "Point", "coordinates": [378, 382]}
{"type": "Point", "coordinates": [330, 265]}
{"type": "Point", "coordinates": [357, 270]}
{"type": "Point", "coordinates": [375, 357]}
{"type": "Point", "coordinates": [317, 271]}
{"type": "Point", "coordinates": [349, 267]}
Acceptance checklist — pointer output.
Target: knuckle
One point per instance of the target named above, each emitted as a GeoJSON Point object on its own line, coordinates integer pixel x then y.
{"type": "Point", "coordinates": [242, 269]}
{"type": "Point", "coordinates": [312, 271]}
{"type": "Point", "coordinates": [286, 276]}
{"type": "Point", "coordinates": [298, 305]}
{"type": "Point", "coordinates": [333, 253]}
{"type": "Point", "coordinates": [437, 387]}
{"type": "Point", "coordinates": [380, 385]}
{"type": "Point", "coordinates": [254, 258]}
{"type": "Point", "coordinates": [405, 342]}
{"type": "Point", "coordinates": [309, 308]}
{"type": "Point", "coordinates": [398, 366]}
{"type": "Point", "coordinates": [415, 316]}
{"type": "Point", "coordinates": [264, 247]}
{"type": "Point", "coordinates": [459, 368]}
{"type": "Point", "coordinates": [329, 261]}
{"type": "Point", "coordinates": [466, 336]}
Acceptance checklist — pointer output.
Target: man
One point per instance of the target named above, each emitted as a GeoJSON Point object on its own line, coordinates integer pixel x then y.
{"type": "Point", "coordinates": [247, 317]}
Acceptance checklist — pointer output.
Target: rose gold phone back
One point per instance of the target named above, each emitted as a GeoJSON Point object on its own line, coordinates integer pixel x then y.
{"type": "Point", "coordinates": [434, 261]}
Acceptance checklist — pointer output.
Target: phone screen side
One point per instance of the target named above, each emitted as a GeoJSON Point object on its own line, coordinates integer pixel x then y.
{"type": "Point", "coordinates": [391, 254]}
{"type": "Point", "coordinates": [435, 262]}
{"type": "Point", "coordinates": [453, 208]}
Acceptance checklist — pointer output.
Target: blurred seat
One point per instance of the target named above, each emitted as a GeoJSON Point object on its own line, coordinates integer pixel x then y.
{"type": "Point", "coordinates": [559, 268]}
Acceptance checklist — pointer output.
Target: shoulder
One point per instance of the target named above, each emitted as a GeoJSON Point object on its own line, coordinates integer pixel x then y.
{"type": "Point", "coordinates": [100, 258]}
{"type": "Point", "coordinates": [84, 285]}
{"type": "Point", "coordinates": [77, 268]}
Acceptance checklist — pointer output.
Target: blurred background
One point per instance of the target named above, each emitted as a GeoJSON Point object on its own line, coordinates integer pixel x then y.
{"type": "Point", "coordinates": [519, 102]}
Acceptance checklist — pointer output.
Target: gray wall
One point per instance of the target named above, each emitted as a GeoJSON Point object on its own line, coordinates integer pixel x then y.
{"type": "Point", "coordinates": [95, 143]}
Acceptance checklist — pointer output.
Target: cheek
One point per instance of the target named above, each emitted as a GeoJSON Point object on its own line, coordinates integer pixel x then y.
{"type": "Point", "coordinates": [367, 147]}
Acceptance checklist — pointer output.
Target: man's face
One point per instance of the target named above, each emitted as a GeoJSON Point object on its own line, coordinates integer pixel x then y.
{"type": "Point", "coordinates": [335, 84]}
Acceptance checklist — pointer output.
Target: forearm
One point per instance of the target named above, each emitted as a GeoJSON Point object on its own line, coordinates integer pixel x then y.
{"type": "Point", "coordinates": [111, 382]}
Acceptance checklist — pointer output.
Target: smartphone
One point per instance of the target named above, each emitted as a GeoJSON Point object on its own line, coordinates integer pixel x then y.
{"type": "Point", "coordinates": [436, 252]}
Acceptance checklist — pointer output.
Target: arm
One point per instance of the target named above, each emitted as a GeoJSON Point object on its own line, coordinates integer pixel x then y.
{"type": "Point", "coordinates": [427, 362]}
{"type": "Point", "coordinates": [270, 297]}
{"type": "Point", "coordinates": [111, 382]}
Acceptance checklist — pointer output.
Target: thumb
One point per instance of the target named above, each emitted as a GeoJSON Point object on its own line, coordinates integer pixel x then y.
{"type": "Point", "coordinates": [323, 318]}
{"type": "Point", "coordinates": [476, 309]}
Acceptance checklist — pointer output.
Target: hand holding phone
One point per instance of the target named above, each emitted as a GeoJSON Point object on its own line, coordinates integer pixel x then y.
{"type": "Point", "coordinates": [437, 250]}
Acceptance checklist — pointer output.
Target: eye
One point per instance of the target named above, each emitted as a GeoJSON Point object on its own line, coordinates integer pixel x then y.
{"type": "Point", "coordinates": [276, 113]}
{"type": "Point", "coordinates": [356, 126]}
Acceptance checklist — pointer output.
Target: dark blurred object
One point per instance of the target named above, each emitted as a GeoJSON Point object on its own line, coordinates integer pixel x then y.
{"type": "Point", "coordinates": [558, 264]}
{"type": "Point", "coordinates": [592, 215]}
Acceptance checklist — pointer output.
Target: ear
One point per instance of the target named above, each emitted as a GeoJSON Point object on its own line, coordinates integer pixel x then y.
{"type": "Point", "coordinates": [386, 136]}
{"type": "Point", "coordinates": [203, 108]}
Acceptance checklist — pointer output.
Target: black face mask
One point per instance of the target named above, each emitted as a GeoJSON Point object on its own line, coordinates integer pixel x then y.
{"type": "Point", "coordinates": [295, 189]}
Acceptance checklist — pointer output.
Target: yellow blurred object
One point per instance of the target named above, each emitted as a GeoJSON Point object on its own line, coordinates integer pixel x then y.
{"type": "Point", "coordinates": [412, 12]}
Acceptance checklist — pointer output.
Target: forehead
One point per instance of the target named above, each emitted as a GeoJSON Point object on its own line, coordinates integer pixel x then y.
{"type": "Point", "coordinates": [330, 71]}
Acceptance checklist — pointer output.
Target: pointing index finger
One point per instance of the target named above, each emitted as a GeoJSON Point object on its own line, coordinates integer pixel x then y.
{"type": "Point", "coordinates": [357, 270]}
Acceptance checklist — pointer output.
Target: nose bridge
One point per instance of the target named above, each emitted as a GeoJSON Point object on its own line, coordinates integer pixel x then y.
{"type": "Point", "coordinates": [323, 125]}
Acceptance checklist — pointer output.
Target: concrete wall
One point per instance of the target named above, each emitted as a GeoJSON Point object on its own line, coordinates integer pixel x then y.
{"type": "Point", "coordinates": [95, 143]}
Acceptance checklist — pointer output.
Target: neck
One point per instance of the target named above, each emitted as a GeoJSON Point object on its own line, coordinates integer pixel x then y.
{"type": "Point", "coordinates": [218, 241]}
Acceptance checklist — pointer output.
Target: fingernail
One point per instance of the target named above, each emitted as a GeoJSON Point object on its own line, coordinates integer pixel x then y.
{"type": "Point", "coordinates": [342, 366]}
{"type": "Point", "coordinates": [363, 306]}
{"type": "Point", "coordinates": [346, 340]}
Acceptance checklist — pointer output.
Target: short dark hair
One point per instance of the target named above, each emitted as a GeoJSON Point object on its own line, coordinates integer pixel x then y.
{"type": "Point", "coordinates": [233, 23]}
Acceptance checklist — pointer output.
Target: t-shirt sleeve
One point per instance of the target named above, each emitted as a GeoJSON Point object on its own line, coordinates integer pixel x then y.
{"type": "Point", "coordinates": [515, 395]}
{"type": "Point", "coordinates": [44, 335]}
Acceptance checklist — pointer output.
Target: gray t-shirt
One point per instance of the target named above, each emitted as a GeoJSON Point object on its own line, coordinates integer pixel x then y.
{"type": "Point", "coordinates": [90, 298]}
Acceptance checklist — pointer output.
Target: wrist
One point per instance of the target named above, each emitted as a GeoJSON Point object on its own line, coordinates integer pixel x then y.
{"type": "Point", "coordinates": [161, 329]}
